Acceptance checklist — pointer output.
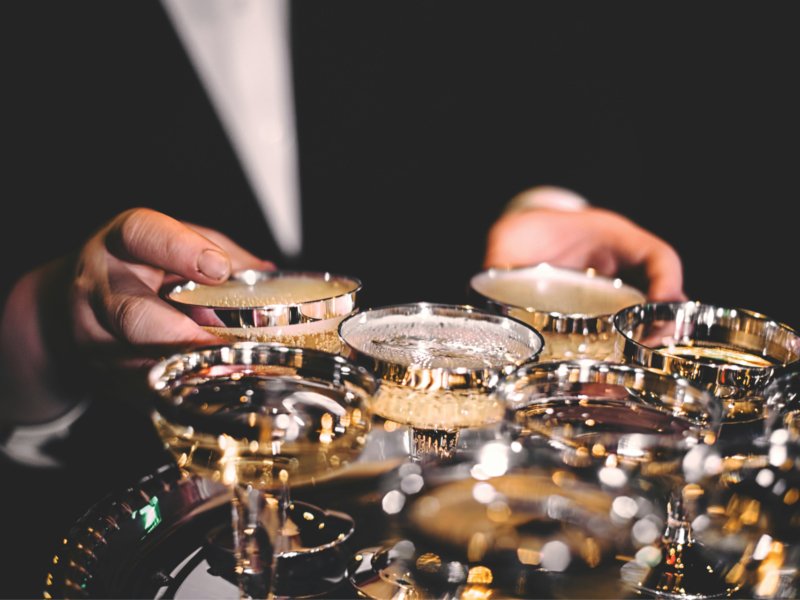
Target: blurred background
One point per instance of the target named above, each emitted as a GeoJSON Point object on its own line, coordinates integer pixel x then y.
{"type": "Point", "coordinates": [424, 118]}
{"type": "Point", "coordinates": [417, 122]}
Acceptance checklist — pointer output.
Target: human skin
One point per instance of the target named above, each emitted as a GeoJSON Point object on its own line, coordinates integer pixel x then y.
{"type": "Point", "coordinates": [99, 309]}
{"type": "Point", "coordinates": [592, 237]}
{"type": "Point", "coordinates": [98, 312]}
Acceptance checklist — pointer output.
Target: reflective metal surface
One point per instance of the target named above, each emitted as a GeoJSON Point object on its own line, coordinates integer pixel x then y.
{"type": "Point", "coordinates": [251, 359]}
{"type": "Point", "coordinates": [782, 400]}
{"type": "Point", "coordinates": [582, 380]}
{"type": "Point", "coordinates": [439, 346]}
{"type": "Point", "coordinates": [735, 353]}
{"type": "Point", "coordinates": [489, 525]}
{"type": "Point", "coordinates": [639, 434]}
{"type": "Point", "coordinates": [260, 418]}
{"type": "Point", "coordinates": [555, 299]}
{"type": "Point", "coordinates": [750, 514]}
{"type": "Point", "coordinates": [403, 570]}
{"type": "Point", "coordinates": [338, 304]}
{"type": "Point", "coordinates": [159, 539]}
{"type": "Point", "coordinates": [572, 309]}
{"type": "Point", "coordinates": [310, 562]}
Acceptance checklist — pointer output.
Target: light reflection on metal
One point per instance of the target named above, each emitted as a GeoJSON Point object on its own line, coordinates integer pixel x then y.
{"type": "Point", "coordinates": [770, 571]}
{"type": "Point", "coordinates": [612, 477]}
{"type": "Point", "coordinates": [590, 552]}
{"type": "Point", "coordinates": [150, 515]}
{"type": "Point", "coordinates": [393, 502]}
{"type": "Point", "coordinates": [480, 575]}
{"type": "Point", "coordinates": [326, 421]}
{"type": "Point", "coordinates": [692, 491]}
{"type": "Point", "coordinates": [645, 531]}
{"type": "Point", "coordinates": [494, 459]}
{"type": "Point", "coordinates": [498, 511]}
{"type": "Point", "coordinates": [429, 562]}
{"type": "Point", "coordinates": [624, 507]}
{"type": "Point", "coordinates": [475, 592]}
{"type": "Point", "coordinates": [229, 474]}
{"type": "Point", "coordinates": [428, 507]}
{"type": "Point", "coordinates": [528, 557]}
{"type": "Point", "coordinates": [412, 483]}
{"type": "Point", "coordinates": [556, 556]}
{"type": "Point", "coordinates": [483, 492]}
{"type": "Point", "coordinates": [477, 547]}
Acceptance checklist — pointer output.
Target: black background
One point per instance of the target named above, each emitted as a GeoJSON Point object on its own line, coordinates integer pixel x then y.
{"type": "Point", "coordinates": [417, 122]}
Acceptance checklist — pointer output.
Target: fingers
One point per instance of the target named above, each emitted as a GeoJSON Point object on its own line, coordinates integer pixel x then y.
{"type": "Point", "coordinates": [525, 238]}
{"type": "Point", "coordinates": [665, 272]}
{"type": "Point", "coordinates": [240, 258]}
{"type": "Point", "coordinates": [639, 249]}
{"type": "Point", "coordinates": [133, 312]}
{"type": "Point", "coordinates": [147, 237]}
{"type": "Point", "coordinates": [597, 238]}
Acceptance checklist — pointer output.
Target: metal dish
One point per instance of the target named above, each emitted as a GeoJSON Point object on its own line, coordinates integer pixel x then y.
{"type": "Point", "coordinates": [341, 302]}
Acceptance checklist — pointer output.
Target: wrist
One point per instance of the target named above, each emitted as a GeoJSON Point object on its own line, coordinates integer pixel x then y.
{"type": "Point", "coordinates": [550, 197]}
{"type": "Point", "coordinates": [37, 358]}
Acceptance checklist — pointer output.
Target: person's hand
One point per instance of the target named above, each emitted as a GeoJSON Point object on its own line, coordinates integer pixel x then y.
{"type": "Point", "coordinates": [102, 306]}
{"type": "Point", "coordinates": [592, 237]}
{"type": "Point", "coordinates": [114, 297]}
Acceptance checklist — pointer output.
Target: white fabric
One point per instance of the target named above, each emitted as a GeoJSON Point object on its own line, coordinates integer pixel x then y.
{"type": "Point", "coordinates": [240, 49]}
{"type": "Point", "coordinates": [26, 443]}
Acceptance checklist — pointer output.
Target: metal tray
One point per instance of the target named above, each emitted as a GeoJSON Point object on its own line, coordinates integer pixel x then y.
{"type": "Point", "coordinates": [160, 539]}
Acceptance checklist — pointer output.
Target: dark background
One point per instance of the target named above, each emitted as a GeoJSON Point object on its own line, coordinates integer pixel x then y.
{"type": "Point", "coordinates": [417, 122]}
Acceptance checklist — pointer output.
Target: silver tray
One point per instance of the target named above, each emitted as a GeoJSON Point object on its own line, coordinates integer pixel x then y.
{"type": "Point", "coordinates": [165, 538]}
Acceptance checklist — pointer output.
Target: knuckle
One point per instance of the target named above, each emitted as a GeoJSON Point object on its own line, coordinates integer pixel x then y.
{"type": "Point", "coordinates": [132, 225]}
{"type": "Point", "coordinates": [131, 228]}
{"type": "Point", "coordinates": [174, 245]}
{"type": "Point", "coordinates": [668, 251]}
{"type": "Point", "coordinates": [127, 313]}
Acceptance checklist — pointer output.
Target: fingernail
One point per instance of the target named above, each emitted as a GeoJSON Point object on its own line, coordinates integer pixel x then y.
{"type": "Point", "coordinates": [213, 264]}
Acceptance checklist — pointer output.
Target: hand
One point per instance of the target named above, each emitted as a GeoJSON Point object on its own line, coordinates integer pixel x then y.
{"type": "Point", "coordinates": [120, 270]}
{"type": "Point", "coordinates": [593, 237]}
{"type": "Point", "coordinates": [102, 308]}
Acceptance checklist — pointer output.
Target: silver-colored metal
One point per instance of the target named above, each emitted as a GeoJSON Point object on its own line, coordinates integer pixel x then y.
{"type": "Point", "coordinates": [595, 315]}
{"type": "Point", "coordinates": [596, 414]}
{"type": "Point", "coordinates": [671, 394]}
{"type": "Point", "coordinates": [648, 335]}
{"type": "Point", "coordinates": [782, 400]}
{"type": "Point", "coordinates": [381, 572]}
{"type": "Point", "coordinates": [131, 552]}
{"type": "Point", "coordinates": [277, 315]}
{"type": "Point", "coordinates": [439, 346]}
{"type": "Point", "coordinates": [269, 358]}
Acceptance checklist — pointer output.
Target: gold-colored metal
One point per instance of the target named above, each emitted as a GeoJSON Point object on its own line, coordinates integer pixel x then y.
{"type": "Point", "coordinates": [423, 345]}
{"type": "Point", "coordinates": [573, 310]}
{"type": "Point", "coordinates": [273, 315]}
{"type": "Point", "coordinates": [732, 352]}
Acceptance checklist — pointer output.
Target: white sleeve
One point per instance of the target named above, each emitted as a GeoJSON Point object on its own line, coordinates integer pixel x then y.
{"type": "Point", "coordinates": [25, 444]}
